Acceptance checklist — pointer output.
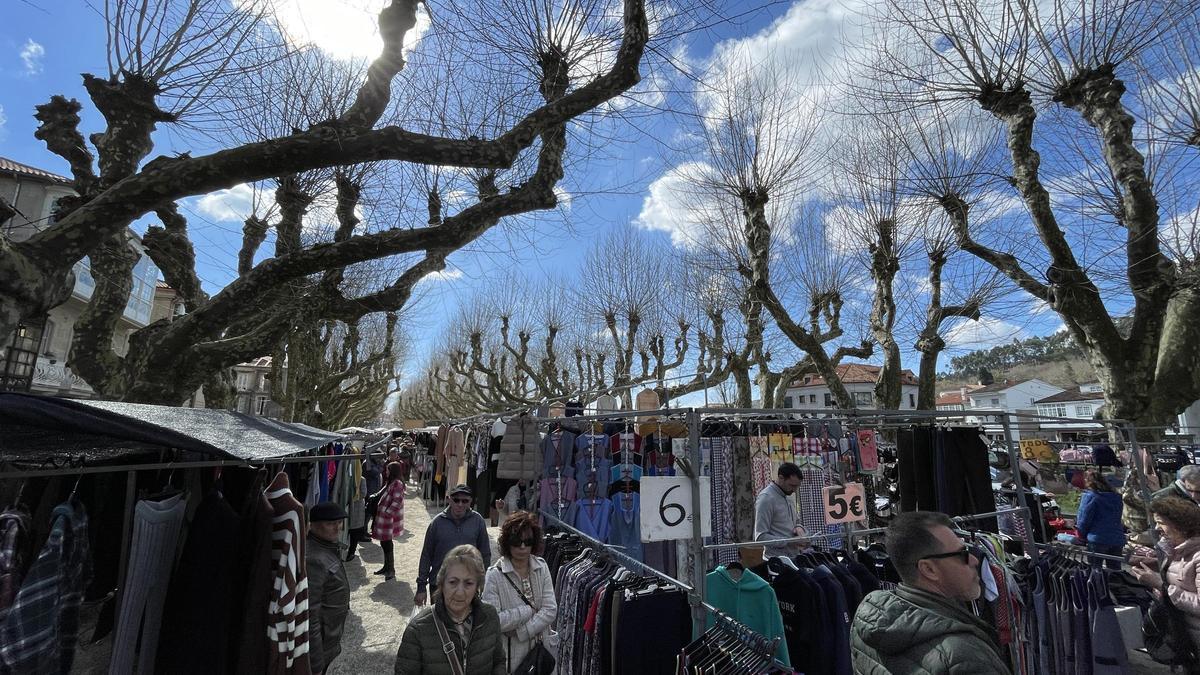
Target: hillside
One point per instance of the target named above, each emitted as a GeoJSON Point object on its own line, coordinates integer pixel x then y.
{"type": "Point", "coordinates": [1055, 359]}
{"type": "Point", "coordinates": [1065, 373]}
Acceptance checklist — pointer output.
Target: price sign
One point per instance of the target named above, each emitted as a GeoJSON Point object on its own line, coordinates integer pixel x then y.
{"type": "Point", "coordinates": [845, 503]}
{"type": "Point", "coordinates": [1037, 449]}
{"type": "Point", "coordinates": [666, 508]}
{"type": "Point", "coordinates": [868, 454]}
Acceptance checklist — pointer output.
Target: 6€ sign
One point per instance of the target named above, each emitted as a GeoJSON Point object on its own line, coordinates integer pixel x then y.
{"type": "Point", "coordinates": [666, 507]}
{"type": "Point", "coordinates": [845, 503]}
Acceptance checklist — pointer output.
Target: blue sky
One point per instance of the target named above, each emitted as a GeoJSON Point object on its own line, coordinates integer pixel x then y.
{"type": "Point", "coordinates": [44, 46]}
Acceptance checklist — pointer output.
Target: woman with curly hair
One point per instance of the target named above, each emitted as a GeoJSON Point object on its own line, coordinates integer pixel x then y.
{"type": "Point", "coordinates": [520, 588]}
{"type": "Point", "coordinates": [1179, 522]}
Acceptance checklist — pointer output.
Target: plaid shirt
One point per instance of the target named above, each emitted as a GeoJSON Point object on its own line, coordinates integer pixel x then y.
{"type": "Point", "coordinates": [42, 626]}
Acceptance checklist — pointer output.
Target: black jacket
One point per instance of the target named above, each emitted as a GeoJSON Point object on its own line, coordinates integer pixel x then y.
{"type": "Point", "coordinates": [328, 601]}
{"type": "Point", "coordinates": [421, 651]}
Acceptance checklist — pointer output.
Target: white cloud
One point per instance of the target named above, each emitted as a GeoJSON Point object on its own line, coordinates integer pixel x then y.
{"type": "Point", "coordinates": [984, 333]}
{"type": "Point", "coordinates": [667, 207]}
{"type": "Point", "coordinates": [444, 275]}
{"type": "Point", "coordinates": [347, 29]}
{"type": "Point", "coordinates": [3, 119]}
{"type": "Point", "coordinates": [234, 204]}
{"type": "Point", "coordinates": [565, 198]}
{"type": "Point", "coordinates": [31, 55]}
{"type": "Point", "coordinates": [1181, 235]}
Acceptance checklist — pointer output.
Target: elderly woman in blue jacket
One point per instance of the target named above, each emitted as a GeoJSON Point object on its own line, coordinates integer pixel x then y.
{"type": "Point", "coordinates": [1099, 519]}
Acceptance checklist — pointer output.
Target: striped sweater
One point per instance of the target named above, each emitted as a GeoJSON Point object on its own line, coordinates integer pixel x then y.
{"type": "Point", "coordinates": [287, 613]}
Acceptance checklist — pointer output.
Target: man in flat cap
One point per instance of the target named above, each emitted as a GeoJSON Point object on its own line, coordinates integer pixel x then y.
{"type": "Point", "coordinates": [328, 589]}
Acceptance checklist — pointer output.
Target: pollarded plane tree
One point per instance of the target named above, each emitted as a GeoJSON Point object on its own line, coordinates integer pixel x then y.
{"type": "Point", "coordinates": [116, 185]}
{"type": "Point", "coordinates": [1045, 71]}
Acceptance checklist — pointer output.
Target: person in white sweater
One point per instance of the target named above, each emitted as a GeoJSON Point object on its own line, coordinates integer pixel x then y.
{"type": "Point", "coordinates": [520, 588]}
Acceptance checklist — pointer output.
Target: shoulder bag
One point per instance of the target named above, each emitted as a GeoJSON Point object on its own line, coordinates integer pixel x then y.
{"type": "Point", "coordinates": [1165, 636]}
{"type": "Point", "coordinates": [448, 646]}
{"type": "Point", "coordinates": [539, 660]}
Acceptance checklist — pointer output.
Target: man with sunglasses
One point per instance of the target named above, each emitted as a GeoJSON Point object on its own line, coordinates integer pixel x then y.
{"type": "Point", "coordinates": [458, 524]}
{"type": "Point", "coordinates": [925, 625]}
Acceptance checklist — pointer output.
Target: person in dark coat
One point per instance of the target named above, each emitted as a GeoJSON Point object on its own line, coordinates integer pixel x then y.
{"type": "Point", "coordinates": [471, 626]}
{"type": "Point", "coordinates": [328, 587]}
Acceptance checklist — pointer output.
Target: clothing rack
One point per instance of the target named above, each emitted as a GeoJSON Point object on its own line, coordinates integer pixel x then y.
{"type": "Point", "coordinates": [609, 549]}
{"type": "Point", "coordinates": [794, 540]}
{"type": "Point", "coordinates": [1074, 550]}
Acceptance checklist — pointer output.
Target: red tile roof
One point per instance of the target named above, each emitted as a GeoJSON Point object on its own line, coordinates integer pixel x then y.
{"type": "Point", "coordinates": [25, 171]}
{"type": "Point", "coordinates": [999, 386]}
{"type": "Point", "coordinates": [855, 373]}
{"type": "Point", "coordinates": [1072, 394]}
{"type": "Point", "coordinates": [953, 398]}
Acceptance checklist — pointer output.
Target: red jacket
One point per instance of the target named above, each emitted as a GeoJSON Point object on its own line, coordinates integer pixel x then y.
{"type": "Point", "coordinates": [389, 515]}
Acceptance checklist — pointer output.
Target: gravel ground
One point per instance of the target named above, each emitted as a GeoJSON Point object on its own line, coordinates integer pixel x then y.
{"type": "Point", "coordinates": [380, 610]}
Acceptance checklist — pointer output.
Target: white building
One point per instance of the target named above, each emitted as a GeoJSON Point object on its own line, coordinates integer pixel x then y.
{"type": "Point", "coordinates": [43, 344]}
{"type": "Point", "coordinates": [1081, 403]}
{"type": "Point", "coordinates": [812, 393]}
{"type": "Point", "coordinates": [1008, 397]}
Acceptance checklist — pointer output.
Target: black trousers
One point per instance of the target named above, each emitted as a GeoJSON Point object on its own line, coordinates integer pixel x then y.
{"type": "Point", "coordinates": [389, 561]}
{"type": "Point", "coordinates": [357, 536]}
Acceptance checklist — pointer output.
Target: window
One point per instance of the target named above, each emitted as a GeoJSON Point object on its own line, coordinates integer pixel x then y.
{"type": "Point", "coordinates": [787, 402]}
{"type": "Point", "coordinates": [1083, 410]}
{"type": "Point", "coordinates": [812, 398]}
{"type": "Point", "coordinates": [243, 380]}
{"type": "Point", "coordinates": [864, 399]}
{"type": "Point", "coordinates": [48, 339]}
{"type": "Point", "coordinates": [828, 400]}
{"type": "Point", "coordinates": [996, 401]}
{"type": "Point", "coordinates": [1053, 409]}
{"type": "Point", "coordinates": [260, 405]}
{"type": "Point", "coordinates": [912, 401]}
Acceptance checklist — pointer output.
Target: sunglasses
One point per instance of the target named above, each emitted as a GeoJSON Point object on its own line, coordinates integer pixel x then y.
{"type": "Point", "coordinates": [964, 553]}
{"type": "Point", "coordinates": [528, 543]}
{"type": "Point", "coordinates": [461, 501]}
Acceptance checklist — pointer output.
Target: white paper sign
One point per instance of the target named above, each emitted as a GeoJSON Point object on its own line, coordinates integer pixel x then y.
{"type": "Point", "coordinates": [666, 506]}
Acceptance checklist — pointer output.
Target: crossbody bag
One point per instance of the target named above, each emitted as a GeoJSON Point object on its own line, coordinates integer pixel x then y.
{"type": "Point", "coordinates": [448, 647]}
{"type": "Point", "coordinates": [539, 660]}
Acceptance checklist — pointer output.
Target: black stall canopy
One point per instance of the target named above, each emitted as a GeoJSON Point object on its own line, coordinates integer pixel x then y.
{"type": "Point", "coordinates": [45, 431]}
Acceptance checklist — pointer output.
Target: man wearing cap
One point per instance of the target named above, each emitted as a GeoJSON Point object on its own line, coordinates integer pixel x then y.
{"type": "Point", "coordinates": [455, 526]}
{"type": "Point", "coordinates": [328, 588]}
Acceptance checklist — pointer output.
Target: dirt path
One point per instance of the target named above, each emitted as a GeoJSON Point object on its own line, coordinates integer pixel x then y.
{"type": "Point", "coordinates": [380, 610]}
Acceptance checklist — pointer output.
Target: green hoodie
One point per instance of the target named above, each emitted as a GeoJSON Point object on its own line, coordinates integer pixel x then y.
{"type": "Point", "coordinates": [910, 630]}
{"type": "Point", "coordinates": [751, 601]}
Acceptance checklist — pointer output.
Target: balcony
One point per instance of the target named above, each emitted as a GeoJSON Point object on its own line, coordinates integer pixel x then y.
{"type": "Point", "coordinates": [54, 376]}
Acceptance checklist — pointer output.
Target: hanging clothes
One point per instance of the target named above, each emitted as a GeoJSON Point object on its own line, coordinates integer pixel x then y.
{"type": "Point", "coordinates": [14, 555]}
{"type": "Point", "coordinates": [287, 620]}
{"type": "Point", "coordinates": [558, 451]}
{"type": "Point", "coordinates": [519, 450]}
{"type": "Point", "coordinates": [751, 601]}
{"type": "Point", "coordinates": [625, 529]}
{"type": "Point", "coordinates": [591, 516]}
{"type": "Point", "coordinates": [156, 531]}
{"type": "Point", "coordinates": [202, 596]}
{"type": "Point", "coordinates": [40, 631]}
{"type": "Point", "coordinates": [557, 495]}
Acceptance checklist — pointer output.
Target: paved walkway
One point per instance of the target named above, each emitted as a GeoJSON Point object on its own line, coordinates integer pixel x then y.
{"type": "Point", "coordinates": [380, 610]}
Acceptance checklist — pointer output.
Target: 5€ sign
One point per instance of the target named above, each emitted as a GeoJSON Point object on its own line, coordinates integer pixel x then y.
{"type": "Point", "coordinates": [844, 503]}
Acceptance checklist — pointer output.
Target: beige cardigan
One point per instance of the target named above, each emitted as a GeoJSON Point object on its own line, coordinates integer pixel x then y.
{"type": "Point", "coordinates": [519, 623]}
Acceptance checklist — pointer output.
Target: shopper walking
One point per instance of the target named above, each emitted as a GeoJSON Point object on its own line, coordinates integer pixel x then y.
{"type": "Point", "coordinates": [520, 588]}
{"type": "Point", "coordinates": [775, 514]}
{"type": "Point", "coordinates": [1099, 520]}
{"type": "Point", "coordinates": [458, 633]}
{"type": "Point", "coordinates": [455, 526]}
{"type": "Point", "coordinates": [924, 625]}
{"type": "Point", "coordinates": [389, 519]}
{"type": "Point", "coordinates": [328, 588]}
{"type": "Point", "coordinates": [1179, 522]}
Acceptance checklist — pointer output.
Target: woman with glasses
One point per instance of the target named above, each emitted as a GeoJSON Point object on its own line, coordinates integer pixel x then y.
{"type": "Point", "coordinates": [520, 588]}
{"type": "Point", "coordinates": [389, 519]}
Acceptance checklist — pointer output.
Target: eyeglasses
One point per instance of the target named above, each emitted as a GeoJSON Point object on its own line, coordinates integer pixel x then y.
{"type": "Point", "coordinates": [964, 553]}
{"type": "Point", "coordinates": [528, 543]}
{"type": "Point", "coordinates": [461, 501]}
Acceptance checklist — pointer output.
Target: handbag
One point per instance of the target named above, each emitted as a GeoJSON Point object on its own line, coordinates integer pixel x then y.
{"type": "Point", "coordinates": [539, 660]}
{"type": "Point", "coordinates": [373, 502]}
{"type": "Point", "coordinates": [1165, 638]}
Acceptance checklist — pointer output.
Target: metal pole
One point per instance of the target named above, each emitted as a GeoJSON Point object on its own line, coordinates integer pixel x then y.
{"type": "Point", "coordinates": [696, 550]}
{"type": "Point", "coordinates": [1014, 459]}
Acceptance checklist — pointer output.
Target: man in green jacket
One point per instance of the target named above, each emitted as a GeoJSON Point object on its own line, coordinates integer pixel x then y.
{"type": "Point", "coordinates": [924, 626]}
